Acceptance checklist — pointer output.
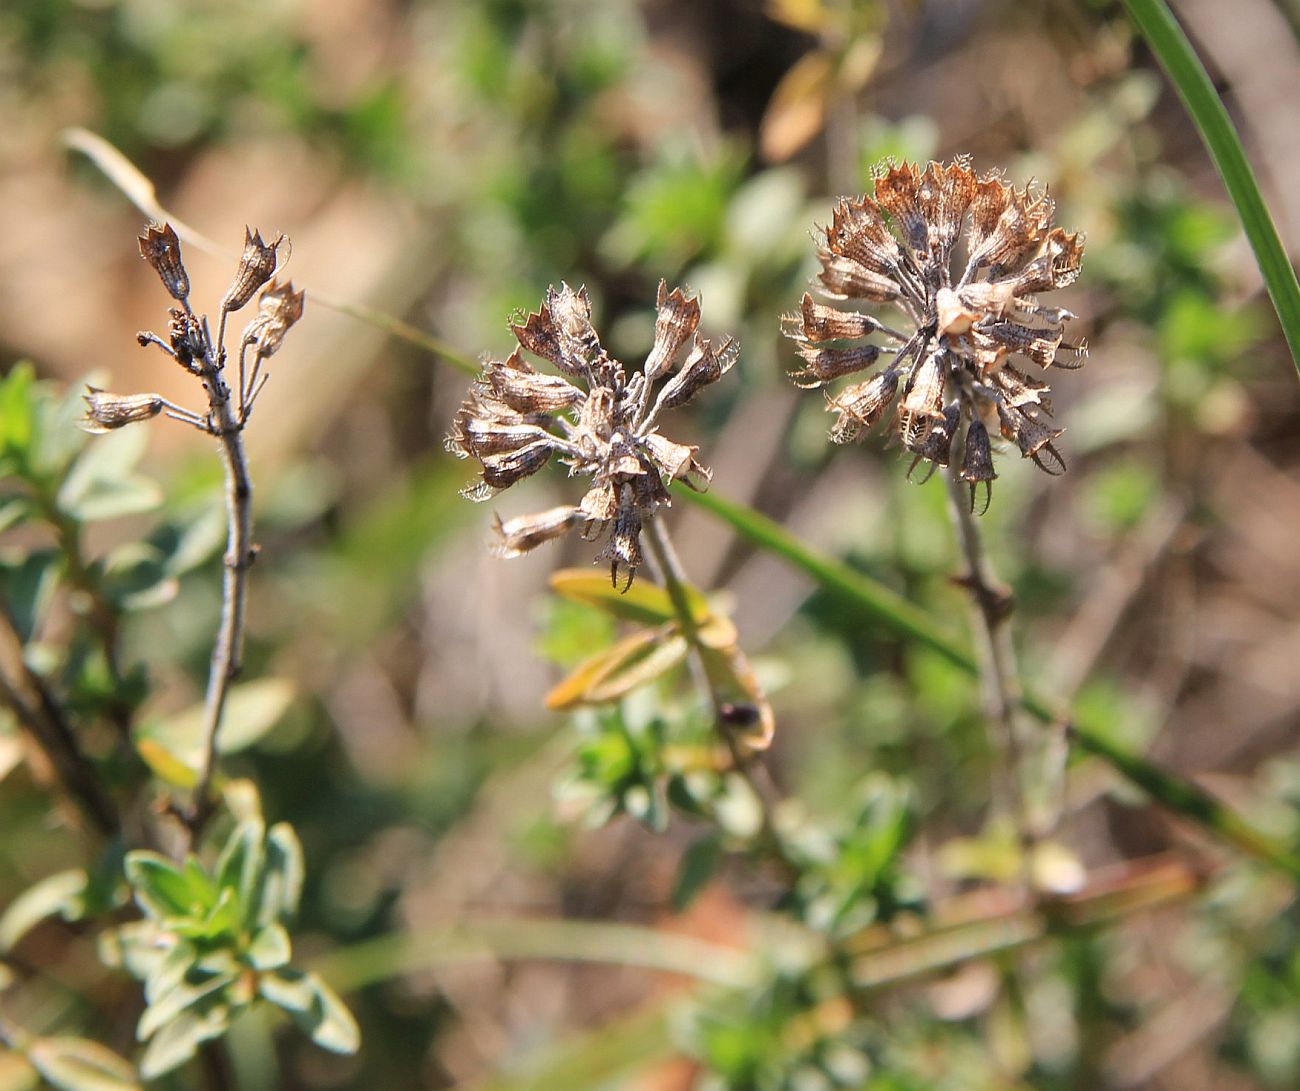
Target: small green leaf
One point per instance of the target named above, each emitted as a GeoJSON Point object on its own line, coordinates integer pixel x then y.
{"type": "Point", "coordinates": [177, 1042]}
{"type": "Point", "coordinates": [16, 409]}
{"type": "Point", "coordinates": [77, 1064]}
{"type": "Point", "coordinates": [13, 510]}
{"type": "Point", "coordinates": [699, 863]}
{"type": "Point", "coordinates": [29, 582]}
{"type": "Point", "coordinates": [287, 989]}
{"type": "Point", "coordinates": [170, 971]}
{"type": "Point", "coordinates": [62, 893]}
{"type": "Point", "coordinates": [329, 1022]}
{"type": "Point", "coordinates": [135, 577]}
{"type": "Point", "coordinates": [314, 1006]}
{"type": "Point", "coordinates": [195, 990]}
{"type": "Point", "coordinates": [101, 483]}
{"type": "Point", "coordinates": [240, 865]}
{"type": "Point", "coordinates": [282, 877]}
{"type": "Point", "coordinates": [270, 948]}
{"type": "Point", "coordinates": [161, 888]}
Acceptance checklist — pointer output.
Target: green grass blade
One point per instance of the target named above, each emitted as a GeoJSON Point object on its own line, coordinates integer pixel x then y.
{"type": "Point", "coordinates": [1179, 59]}
{"type": "Point", "coordinates": [873, 598]}
{"type": "Point", "coordinates": [894, 612]}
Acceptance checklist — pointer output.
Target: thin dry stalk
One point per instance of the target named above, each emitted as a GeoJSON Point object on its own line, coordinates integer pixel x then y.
{"type": "Point", "coordinates": [673, 577]}
{"type": "Point", "coordinates": [992, 606]}
{"type": "Point", "coordinates": [227, 652]}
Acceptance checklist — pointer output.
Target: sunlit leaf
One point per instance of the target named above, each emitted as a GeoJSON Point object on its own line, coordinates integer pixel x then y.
{"type": "Point", "coordinates": [608, 675]}
{"type": "Point", "coordinates": [314, 1006]}
{"type": "Point", "coordinates": [282, 877]}
{"type": "Point", "coordinates": [239, 867]}
{"type": "Point", "coordinates": [101, 483]}
{"type": "Point", "coordinates": [808, 16]}
{"type": "Point", "coordinates": [166, 765]}
{"type": "Point", "coordinates": [78, 1064]}
{"type": "Point", "coordinates": [187, 993]}
{"type": "Point", "coordinates": [13, 510]}
{"type": "Point", "coordinates": [796, 111]}
{"type": "Point", "coordinates": [643, 602]}
{"type": "Point", "coordinates": [61, 894]}
{"type": "Point", "coordinates": [177, 1042]}
{"type": "Point", "coordinates": [270, 948]}
{"type": "Point", "coordinates": [16, 413]}
{"type": "Point", "coordinates": [251, 711]}
{"type": "Point", "coordinates": [160, 887]}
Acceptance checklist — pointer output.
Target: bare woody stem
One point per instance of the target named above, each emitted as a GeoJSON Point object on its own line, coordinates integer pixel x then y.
{"type": "Point", "coordinates": [673, 577]}
{"type": "Point", "coordinates": [992, 605]}
{"type": "Point", "coordinates": [227, 652]}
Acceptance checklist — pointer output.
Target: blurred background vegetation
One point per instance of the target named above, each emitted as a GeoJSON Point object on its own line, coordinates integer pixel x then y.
{"type": "Point", "coordinates": [516, 898]}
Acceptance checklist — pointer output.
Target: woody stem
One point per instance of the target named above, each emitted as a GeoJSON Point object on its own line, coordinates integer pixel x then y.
{"type": "Point", "coordinates": [227, 652]}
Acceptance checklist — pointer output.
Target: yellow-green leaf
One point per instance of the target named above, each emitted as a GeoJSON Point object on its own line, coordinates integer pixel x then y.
{"type": "Point", "coordinates": [608, 675]}
{"type": "Point", "coordinates": [643, 602]}
{"type": "Point", "coordinates": [797, 109]}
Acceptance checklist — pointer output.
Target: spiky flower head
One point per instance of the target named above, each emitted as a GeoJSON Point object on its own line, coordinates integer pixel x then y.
{"type": "Point", "coordinates": [593, 417]}
{"type": "Point", "coordinates": [970, 306]}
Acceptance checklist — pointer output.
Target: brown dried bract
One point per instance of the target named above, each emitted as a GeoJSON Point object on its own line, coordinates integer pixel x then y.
{"type": "Point", "coordinates": [161, 248]}
{"type": "Point", "coordinates": [278, 308]}
{"type": "Point", "coordinates": [256, 267]}
{"type": "Point", "coordinates": [105, 411]}
{"type": "Point", "coordinates": [951, 369]}
{"type": "Point", "coordinates": [595, 418]}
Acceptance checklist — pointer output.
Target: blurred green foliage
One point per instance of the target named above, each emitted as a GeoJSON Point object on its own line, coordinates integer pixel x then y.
{"type": "Point", "coordinates": [549, 140]}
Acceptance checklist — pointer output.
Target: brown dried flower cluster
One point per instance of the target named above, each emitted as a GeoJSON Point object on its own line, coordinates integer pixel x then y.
{"type": "Point", "coordinates": [593, 417]}
{"type": "Point", "coordinates": [190, 343]}
{"type": "Point", "coordinates": [970, 314]}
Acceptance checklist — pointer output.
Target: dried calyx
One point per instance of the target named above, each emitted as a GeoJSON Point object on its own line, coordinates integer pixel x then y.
{"type": "Point", "coordinates": [949, 373]}
{"type": "Point", "coordinates": [594, 417]}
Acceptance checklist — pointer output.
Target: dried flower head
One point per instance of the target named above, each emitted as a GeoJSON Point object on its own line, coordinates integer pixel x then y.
{"type": "Point", "coordinates": [256, 267]}
{"type": "Point", "coordinates": [278, 308]}
{"type": "Point", "coordinates": [161, 248]}
{"type": "Point", "coordinates": [594, 418]}
{"type": "Point", "coordinates": [969, 313]}
{"type": "Point", "coordinates": [105, 411]}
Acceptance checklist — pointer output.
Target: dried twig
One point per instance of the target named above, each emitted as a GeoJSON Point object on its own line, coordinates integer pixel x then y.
{"type": "Point", "coordinates": [992, 609]}
{"type": "Point", "coordinates": [227, 652]}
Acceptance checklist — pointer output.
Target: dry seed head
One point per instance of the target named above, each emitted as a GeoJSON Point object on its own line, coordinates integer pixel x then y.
{"type": "Point", "coordinates": [278, 308]}
{"type": "Point", "coordinates": [161, 248]}
{"type": "Point", "coordinates": [595, 418]}
{"type": "Point", "coordinates": [105, 411]}
{"type": "Point", "coordinates": [256, 267]}
{"type": "Point", "coordinates": [898, 245]}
